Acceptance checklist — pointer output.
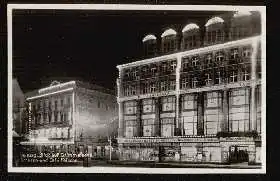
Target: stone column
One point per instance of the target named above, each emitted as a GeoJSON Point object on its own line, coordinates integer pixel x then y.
{"type": "Point", "coordinates": [225, 101]}
{"type": "Point", "coordinates": [253, 109]}
{"type": "Point", "coordinates": [120, 106]}
{"type": "Point", "coordinates": [177, 117]}
{"type": "Point", "coordinates": [157, 117]}
{"type": "Point", "coordinates": [253, 86]}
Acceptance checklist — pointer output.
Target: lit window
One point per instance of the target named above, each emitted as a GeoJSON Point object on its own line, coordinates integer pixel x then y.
{"type": "Point", "coordinates": [135, 74]}
{"type": "Point", "coordinates": [153, 70]}
{"type": "Point", "coordinates": [173, 65]}
{"type": "Point", "coordinates": [145, 87]}
{"type": "Point", "coordinates": [234, 53]}
{"type": "Point", "coordinates": [194, 82]}
{"type": "Point", "coordinates": [218, 78]}
{"type": "Point", "coordinates": [246, 52]}
{"type": "Point", "coordinates": [130, 107]}
{"type": "Point", "coordinates": [163, 67]}
{"type": "Point", "coordinates": [190, 42]}
{"type": "Point", "coordinates": [233, 76]}
{"type": "Point", "coordinates": [208, 60]}
{"type": "Point", "coordinates": [239, 120]}
{"type": "Point", "coordinates": [209, 37]}
{"type": "Point", "coordinates": [144, 71]}
{"type": "Point", "coordinates": [185, 64]}
{"type": "Point", "coordinates": [245, 74]}
{"type": "Point", "coordinates": [195, 61]}
{"type": "Point", "coordinates": [129, 90]}
{"type": "Point", "coordinates": [148, 127]}
{"type": "Point", "coordinates": [152, 87]}
{"type": "Point", "coordinates": [219, 57]}
{"type": "Point", "coordinates": [214, 36]}
{"type": "Point", "coordinates": [163, 85]}
{"type": "Point", "coordinates": [189, 101]}
{"type": "Point", "coordinates": [189, 107]}
{"type": "Point", "coordinates": [127, 75]}
{"type": "Point", "coordinates": [126, 90]}
{"type": "Point", "coordinates": [130, 127]}
{"type": "Point", "coordinates": [219, 35]}
{"type": "Point", "coordinates": [169, 43]}
{"type": "Point", "coordinates": [68, 101]}
{"type": "Point", "coordinates": [167, 127]}
{"type": "Point", "coordinates": [55, 104]}
{"type": "Point", "coordinates": [184, 83]}
{"type": "Point", "coordinates": [148, 105]}
{"type": "Point", "coordinates": [212, 117]}
{"type": "Point", "coordinates": [133, 89]}
{"type": "Point", "coordinates": [172, 85]}
{"type": "Point", "coordinates": [208, 79]}
{"type": "Point", "coordinates": [168, 103]}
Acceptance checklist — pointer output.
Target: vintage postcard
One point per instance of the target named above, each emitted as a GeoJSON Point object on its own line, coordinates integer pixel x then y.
{"type": "Point", "coordinates": [117, 88]}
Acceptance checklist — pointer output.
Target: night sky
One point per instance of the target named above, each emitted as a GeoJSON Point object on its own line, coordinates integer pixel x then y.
{"type": "Point", "coordinates": [85, 45]}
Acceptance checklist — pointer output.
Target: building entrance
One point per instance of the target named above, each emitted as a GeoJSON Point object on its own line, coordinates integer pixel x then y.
{"type": "Point", "coordinates": [238, 154]}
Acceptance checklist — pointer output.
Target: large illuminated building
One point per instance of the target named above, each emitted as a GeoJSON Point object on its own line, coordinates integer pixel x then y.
{"type": "Point", "coordinates": [197, 98]}
{"type": "Point", "coordinates": [71, 116]}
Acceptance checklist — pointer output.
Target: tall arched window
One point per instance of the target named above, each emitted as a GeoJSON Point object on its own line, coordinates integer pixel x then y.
{"type": "Point", "coordinates": [191, 36]}
{"type": "Point", "coordinates": [168, 40]}
{"type": "Point", "coordinates": [241, 25]}
{"type": "Point", "coordinates": [214, 31]}
{"type": "Point", "coordinates": [150, 44]}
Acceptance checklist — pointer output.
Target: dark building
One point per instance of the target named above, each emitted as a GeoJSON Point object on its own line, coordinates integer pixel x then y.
{"type": "Point", "coordinates": [199, 98]}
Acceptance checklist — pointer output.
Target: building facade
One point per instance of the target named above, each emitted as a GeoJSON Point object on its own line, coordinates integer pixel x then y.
{"type": "Point", "coordinates": [70, 116]}
{"type": "Point", "coordinates": [18, 109]}
{"type": "Point", "coordinates": [201, 103]}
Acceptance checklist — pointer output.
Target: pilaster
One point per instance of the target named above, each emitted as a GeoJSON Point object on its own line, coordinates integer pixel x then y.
{"type": "Point", "coordinates": [200, 113]}
{"type": "Point", "coordinates": [177, 118]}
{"type": "Point", "coordinates": [157, 117]}
{"type": "Point", "coordinates": [225, 101]}
{"type": "Point", "coordinates": [253, 86]}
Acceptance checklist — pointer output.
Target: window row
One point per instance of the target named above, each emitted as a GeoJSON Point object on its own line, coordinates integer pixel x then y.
{"type": "Point", "coordinates": [193, 80]}
{"type": "Point", "coordinates": [50, 104]}
{"type": "Point", "coordinates": [148, 105]}
{"type": "Point", "coordinates": [196, 62]}
{"type": "Point", "coordinates": [51, 117]}
{"type": "Point", "coordinates": [214, 77]}
{"type": "Point", "coordinates": [234, 56]}
{"type": "Point", "coordinates": [152, 70]}
{"type": "Point", "coordinates": [149, 87]}
{"type": "Point", "coordinates": [53, 133]}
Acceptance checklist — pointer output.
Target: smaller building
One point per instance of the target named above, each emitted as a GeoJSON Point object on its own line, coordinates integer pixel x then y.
{"type": "Point", "coordinates": [69, 116]}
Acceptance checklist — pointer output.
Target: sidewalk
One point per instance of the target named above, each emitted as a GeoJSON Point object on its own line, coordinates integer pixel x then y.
{"type": "Point", "coordinates": [182, 165]}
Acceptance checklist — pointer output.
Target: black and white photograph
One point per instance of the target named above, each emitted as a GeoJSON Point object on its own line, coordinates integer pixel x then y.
{"type": "Point", "coordinates": [118, 88]}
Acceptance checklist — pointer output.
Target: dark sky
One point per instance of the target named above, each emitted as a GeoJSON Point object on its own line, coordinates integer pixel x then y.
{"type": "Point", "coordinates": [85, 45]}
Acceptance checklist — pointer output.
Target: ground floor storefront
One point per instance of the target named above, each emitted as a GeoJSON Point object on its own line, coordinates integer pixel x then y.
{"type": "Point", "coordinates": [54, 153]}
{"type": "Point", "coordinates": [191, 150]}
